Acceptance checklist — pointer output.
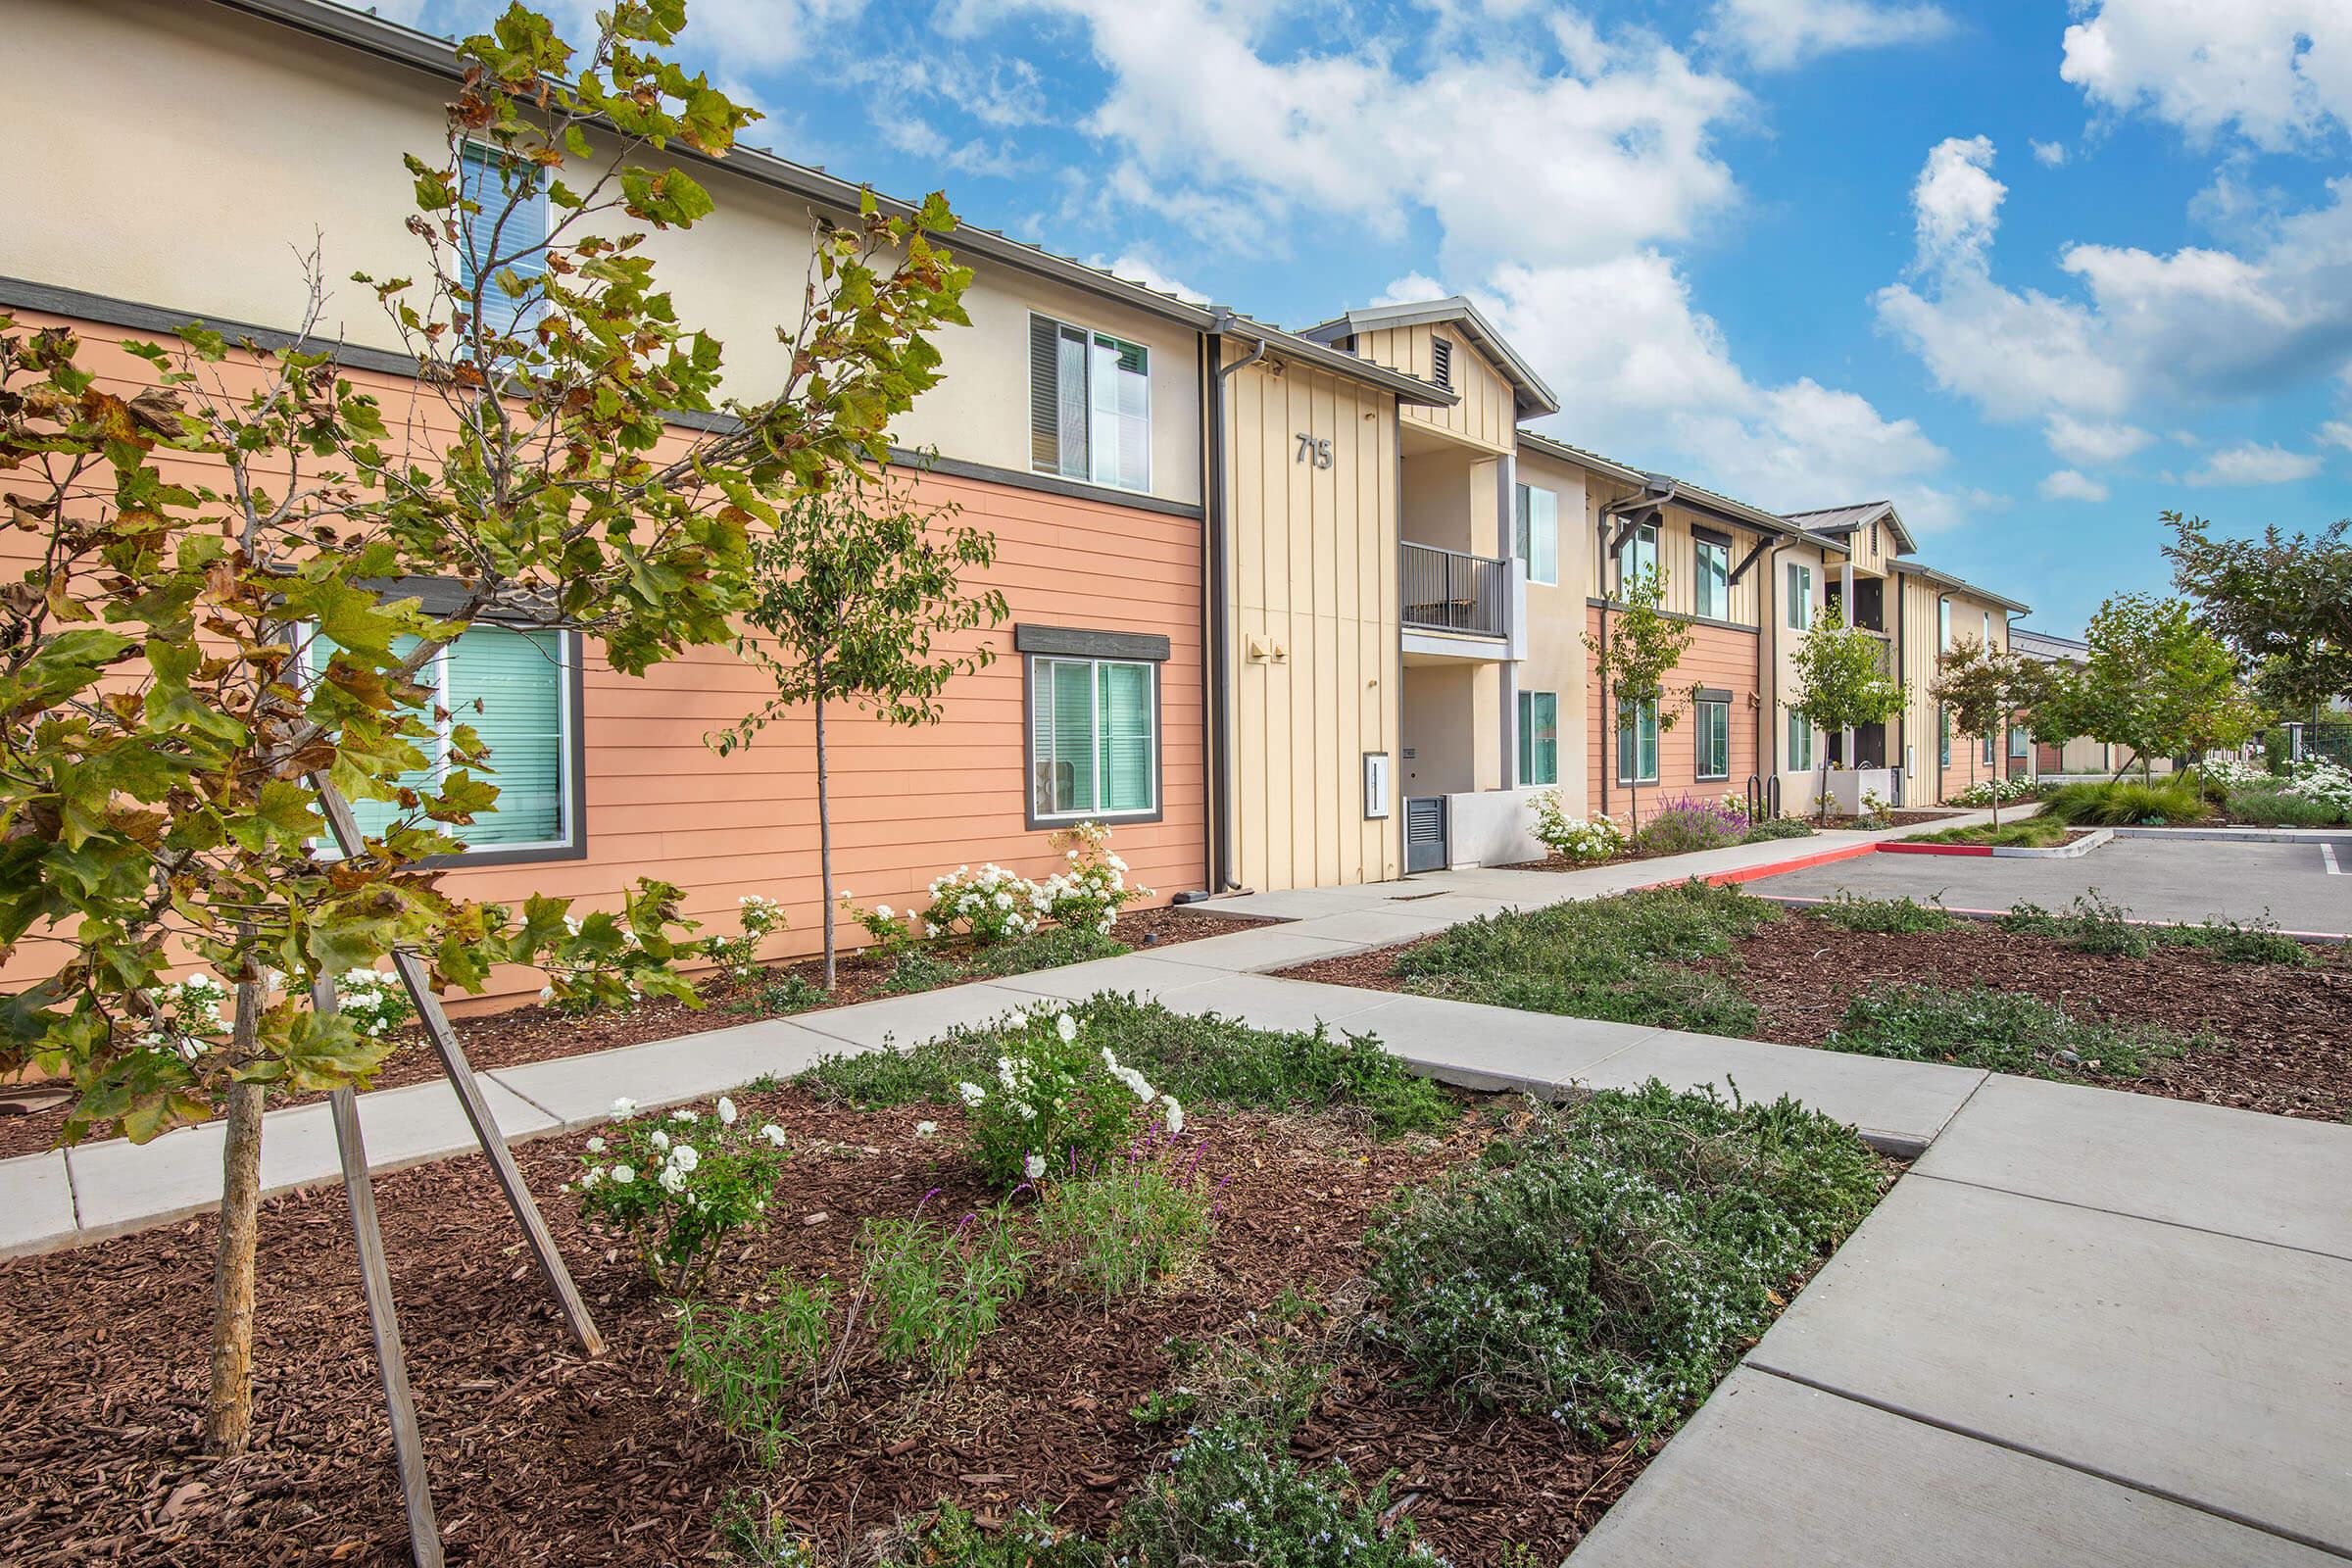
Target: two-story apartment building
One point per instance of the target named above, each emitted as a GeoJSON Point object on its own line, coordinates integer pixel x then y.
{"type": "Point", "coordinates": [1287, 608]}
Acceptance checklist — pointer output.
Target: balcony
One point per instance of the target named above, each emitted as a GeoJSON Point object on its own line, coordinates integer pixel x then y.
{"type": "Point", "coordinates": [1451, 591]}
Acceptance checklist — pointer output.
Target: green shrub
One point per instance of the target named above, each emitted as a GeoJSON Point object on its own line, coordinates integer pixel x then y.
{"type": "Point", "coordinates": [1620, 958]}
{"type": "Point", "coordinates": [2274, 808]}
{"type": "Point", "coordinates": [1059, 1103]}
{"type": "Point", "coordinates": [795, 993]}
{"type": "Point", "coordinates": [1049, 949]}
{"type": "Point", "coordinates": [2033, 833]}
{"type": "Point", "coordinates": [2255, 941]}
{"type": "Point", "coordinates": [753, 1534]}
{"type": "Point", "coordinates": [1201, 1058]}
{"type": "Point", "coordinates": [2127, 803]}
{"type": "Point", "coordinates": [1267, 1380]}
{"type": "Point", "coordinates": [2001, 1031]}
{"type": "Point", "coordinates": [1687, 825]}
{"type": "Point", "coordinates": [1612, 1268]}
{"type": "Point", "coordinates": [2094, 923]}
{"type": "Point", "coordinates": [954, 1538]}
{"type": "Point", "coordinates": [920, 969]}
{"type": "Point", "coordinates": [1130, 1219]}
{"type": "Point", "coordinates": [937, 1292]}
{"type": "Point", "coordinates": [1886, 917]}
{"type": "Point", "coordinates": [677, 1184]}
{"type": "Point", "coordinates": [1779, 827]}
{"type": "Point", "coordinates": [756, 1368]}
{"type": "Point", "coordinates": [1234, 1495]}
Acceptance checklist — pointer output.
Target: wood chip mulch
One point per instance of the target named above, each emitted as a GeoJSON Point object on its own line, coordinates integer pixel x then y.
{"type": "Point", "coordinates": [2284, 1033]}
{"type": "Point", "coordinates": [533, 1033]}
{"type": "Point", "coordinates": [539, 1456]}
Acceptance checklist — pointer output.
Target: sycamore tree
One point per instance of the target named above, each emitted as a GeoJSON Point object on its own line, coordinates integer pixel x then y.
{"type": "Point", "coordinates": [852, 592]}
{"type": "Point", "coordinates": [1985, 687]}
{"type": "Point", "coordinates": [1839, 686]}
{"type": "Point", "coordinates": [1640, 647]}
{"type": "Point", "coordinates": [2283, 604]}
{"type": "Point", "coordinates": [2156, 681]}
{"type": "Point", "coordinates": [222, 621]}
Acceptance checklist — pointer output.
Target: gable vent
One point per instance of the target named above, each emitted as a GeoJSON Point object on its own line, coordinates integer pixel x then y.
{"type": "Point", "coordinates": [1441, 361]}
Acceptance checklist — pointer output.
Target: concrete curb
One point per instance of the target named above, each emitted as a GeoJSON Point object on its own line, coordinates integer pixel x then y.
{"type": "Point", "coordinates": [1794, 901]}
{"type": "Point", "coordinates": [1753, 873]}
{"type": "Point", "coordinates": [2007, 851]}
{"type": "Point", "coordinates": [2242, 835]}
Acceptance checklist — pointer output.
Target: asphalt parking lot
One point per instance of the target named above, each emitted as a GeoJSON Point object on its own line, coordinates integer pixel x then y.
{"type": "Point", "coordinates": [2184, 880]}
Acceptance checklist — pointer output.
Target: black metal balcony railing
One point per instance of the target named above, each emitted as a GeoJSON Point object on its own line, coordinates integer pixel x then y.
{"type": "Point", "coordinates": [1448, 590]}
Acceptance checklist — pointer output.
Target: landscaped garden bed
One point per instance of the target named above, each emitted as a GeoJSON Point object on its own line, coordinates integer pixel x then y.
{"type": "Point", "coordinates": [782, 988]}
{"type": "Point", "coordinates": [1489, 1315]}
{"type": "Point", "coordinates": [2233, 1016]}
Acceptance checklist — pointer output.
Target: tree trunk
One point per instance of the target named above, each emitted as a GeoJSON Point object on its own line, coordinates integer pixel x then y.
{"type": "Point", "coordinates": [228, 1405]}
{"type": "Point", "coordinates": [1821, 795]}
{"type": "Point", "coordinates": [825, 826]}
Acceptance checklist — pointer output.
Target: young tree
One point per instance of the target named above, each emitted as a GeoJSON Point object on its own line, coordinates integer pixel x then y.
{"type": "Point", "coordinates": [223, 622]}
{"type": "Point", "coordinates": [2283, 604]}
{"type": "Point", "coordinates": [852, 591]}
{"type": "Point", "coordinates": [1985, 688]}
{"type": "Point", "coordinates": [1640, 646]}
{"type": "Point", "coordinates": [2155, 681]}
{"type": "Point", "coordinates": [1839, 685]}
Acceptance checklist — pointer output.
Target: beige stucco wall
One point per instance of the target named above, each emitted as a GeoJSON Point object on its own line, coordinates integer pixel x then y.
{"type": "Point", "coordinates": [1313, 611]}
{"type": "Point", "coordinates": [201, 144]}
{"type": "Point", "coordinates": [1557, 659]}
{"type": "Point", "coordinates": [1797, 788]}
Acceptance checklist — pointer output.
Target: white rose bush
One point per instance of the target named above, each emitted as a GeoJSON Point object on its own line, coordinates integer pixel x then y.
{"type": "Point", "coordinates": [1587, 842]}
{"type": "Point", "coordinates": [1089, 892]}
{"type": "Point", "coordinates": [678, 1185]}
{"type": "Point", "coordinates": [1057, 1105]}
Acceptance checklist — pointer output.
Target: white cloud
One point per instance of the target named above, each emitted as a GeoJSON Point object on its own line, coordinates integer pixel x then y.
{"type": "Point", "coordinates": [1411, 289]}
{"type": "Point", "coordinates": [2191, 324]}
{"type": "Point", "coordinates": [2050, 154]}
{"type": "Point", "coordinates": [2092, 443]}
{"type": "Point", "coordinates": [919, 137]}
{"type": "Point", "coordinates": [2252, 462]}
{"type": "Point", "coordinates": [2276, 72]}
{"type": "Point", "coordinates": [2336, 433]}
{"type": "Point", "coordinates": [2068, 485]}
{"type": "Point", "coordinates": [1777, 35]}
{"type": "Point", "coordinates": [1140, 269]}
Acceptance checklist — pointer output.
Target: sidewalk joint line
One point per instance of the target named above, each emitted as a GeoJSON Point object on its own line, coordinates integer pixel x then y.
{"type": "Point", "coordinates": [2079, 1466]}
{"type": "Point", "coordinates": [2125, 1213]}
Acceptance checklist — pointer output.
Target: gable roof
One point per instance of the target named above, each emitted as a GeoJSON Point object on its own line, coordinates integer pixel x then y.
{"type": "Point", "coordinates": [1944, 579]}
{"type": "Point", "coordinates": [2048, 647]}
{"type": "Point", "coordinates": [1529, 392]}
{"type": "Point", "coordinates": [1838, 521]}
{"type": "Point", "coordinates": [399, 46]}
{"type": "Point", "coordinates": [1678, 492]}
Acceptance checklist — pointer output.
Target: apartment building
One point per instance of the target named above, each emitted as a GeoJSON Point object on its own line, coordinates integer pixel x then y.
{"type": "Point", "coordinates": [1288, 609]}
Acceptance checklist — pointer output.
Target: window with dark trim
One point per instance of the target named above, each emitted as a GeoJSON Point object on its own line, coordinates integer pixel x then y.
{"type": "Point", "coordinates": [1090, 405]}
{"type": "Point", "coordinates": [1639, 554]}
{"type": "Point", "coordinates": [1637, 742]}
{"type": "Point", "coordinates": [1712, 721]}
{"type": "Point", "coordinates": [1711, 582]}
{"type": "Point", "coordinates": [1094, 738]}
{"type": "Point", "coordinates": [2021, 740]}
{"type": "Point", "coordinates": [511, 299]}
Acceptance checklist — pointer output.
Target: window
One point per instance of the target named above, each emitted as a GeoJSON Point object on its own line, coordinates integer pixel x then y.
{"type": "Point", "coordinates": [515, 690]}
{"type": "Point", "coordinates": [1984, 741]}
{"type": "Point", "coordinates": [1536, 518]}
{"type": "Point", "coordinates": [1712, 595]}
{"type": "Point", "coordinates": [1539, 737]}
{"type": "Point", "coordinates": [2021, 740]}
{"type": "Point", "coordinates": [509, 301]}
{"type": "Point", "coordinates": [1637, 742]}
{"type": "Point", "coordinates": [1714, 722]}
{"type": "Point", "coordinates": [1090, 405]}
{"type": "Point", "coordinates": [1094, 738]}
{"type": "Point", "coordinates": [1639, 554]}
{"type": "Point", "coordinates": [1800, 742]}
{"type": "Point", "coordinates": [1801, 597]}
{"type": "Point", "coordinates": [1440, 359]}
{"type": "Point", "coordinates": [1988, 628]}
{"type": "Point", "coordinates": [1944, 626]}
{"type": "Point", "coordinates": [1943, 735]}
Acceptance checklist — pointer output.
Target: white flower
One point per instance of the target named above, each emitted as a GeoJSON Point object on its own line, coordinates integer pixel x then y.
{"type": "Point", "coordinates": [595, 1145]}
{"type": "Point", "coordinates": [845, 894]}
{"type": "Point", "coordinates": [924, 1129]}
{"type": "Point", "coordinates": [726, 1111]}
{"type": "Point", "coordinates": [972, 1094]}
{"type": "Point", "coordinates": [624, 1105]}
{"type": "Point", "coordinates": [660, 1139]}
{"type": "Point", "coordinates": [1175, 1113]}
{"type": "Point", "coordinates": [547, 993]}
{"type": "Point", "coordinates": [1067, 1027]}
{"type": "Point", "coordinates": [682, 1114]}
{"type": "Point", "coordinates": [882, 911]}
{"type": "Point", "coordinates": [672, 1179]}
{"type": "Point", "coordinates": [623, 1175]}
{"type": "Point", "coordinates": [1034, 1166]}
{"type": "Point", "coordinates": [773, 1134]}
{"type": "Point", "coordinates": [685, 1157]}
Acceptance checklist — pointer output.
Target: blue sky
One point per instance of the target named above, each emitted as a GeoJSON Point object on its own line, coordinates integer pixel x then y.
{"type": "Point", "coordinates": [2036, 271]}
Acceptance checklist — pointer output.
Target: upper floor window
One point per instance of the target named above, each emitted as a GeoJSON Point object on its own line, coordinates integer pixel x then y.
{"type": "Point", "coordinates": [1801, 597]}
{"type": "Point", "coordinates": [1090, 405]}
{"type": "Point", "coordinates": [1944, 626]}
{"type": "Point", "coordinates": [1535, 518]}
{"type": "Point", "coordinates": [1441, 361]}
{"type": "Point", "coordinates": [1711, 582]}
{"type": "Point", "coordinates": [502, 246]}
{"type": "Point", "coordinates": [1988, 628]}
{"type": "Point", "coordinates": [1637, 556]}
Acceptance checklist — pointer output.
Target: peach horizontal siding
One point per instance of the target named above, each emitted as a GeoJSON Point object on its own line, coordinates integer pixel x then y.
{"type": "Point", "coordinates": [906, 803]}
{"type": "Point", "coordinates": [1719, 660]}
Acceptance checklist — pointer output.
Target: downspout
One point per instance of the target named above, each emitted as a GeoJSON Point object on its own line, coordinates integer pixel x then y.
{"type": "Point", "coordinates": [1600, 545]}
{"type": "Point", "coordinates": [1902, 664]}
{"type": "Point", "coordinates": [1768, 669]}
{"type": "Point", "coordinates": [1217, 717]}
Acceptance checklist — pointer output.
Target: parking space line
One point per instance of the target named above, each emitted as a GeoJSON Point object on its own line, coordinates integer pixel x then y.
{"type": "Point", "coordinates": [2327, 857]}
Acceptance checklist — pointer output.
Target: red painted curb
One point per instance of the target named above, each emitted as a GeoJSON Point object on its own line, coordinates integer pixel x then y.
{"type": "Point", "coordinates": [1751, 873]}
{"type": "Point", "coordinates": [1935, 848]}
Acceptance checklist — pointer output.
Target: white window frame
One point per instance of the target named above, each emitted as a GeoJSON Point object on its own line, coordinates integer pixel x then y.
{"type": "Point", "coordinates": [571, 768]}
{"type": "Point", "coordinates": [1096, 337]}
{"type": "Point", "coordinates": [1527, 736]}
{"type": "Point", "coordinates": [2021, 741]}
{"type": "Point", "coordinates": [1523, 541]}
{"type": "Point", "coordinates": [1800, 743]}
{"type": "Point", "coordinates": [1801, 597]}
{"type": "Point", "coordinates": [1095, 813]}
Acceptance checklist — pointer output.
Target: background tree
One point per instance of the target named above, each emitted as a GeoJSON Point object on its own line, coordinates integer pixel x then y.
{"type": "Point", "coordinates": [2155, 681]}
{"type": "Point", "coordinates": [1839, 685]}
{"type": "Point", "coordinates": [1640, 646]}
{"type": "Point", "coordinates": [2282, 604]}
{"type": "Point", "coordinates": [197, 650]}
{"type": "Point", "coordinates": [1987, 687]}
{"type": "Point", "coordinates": [853, 590]}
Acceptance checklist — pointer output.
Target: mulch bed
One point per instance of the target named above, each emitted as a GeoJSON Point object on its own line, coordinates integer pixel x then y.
{"type": "Point", "coordinates": [539, 1456]}
{"type": "Point", "coordinates": [2284, 1033]}
{"type": "Point", "coordinates": [532, 1033]}
{"type": "Point", "coordinates": [1889, 819]}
